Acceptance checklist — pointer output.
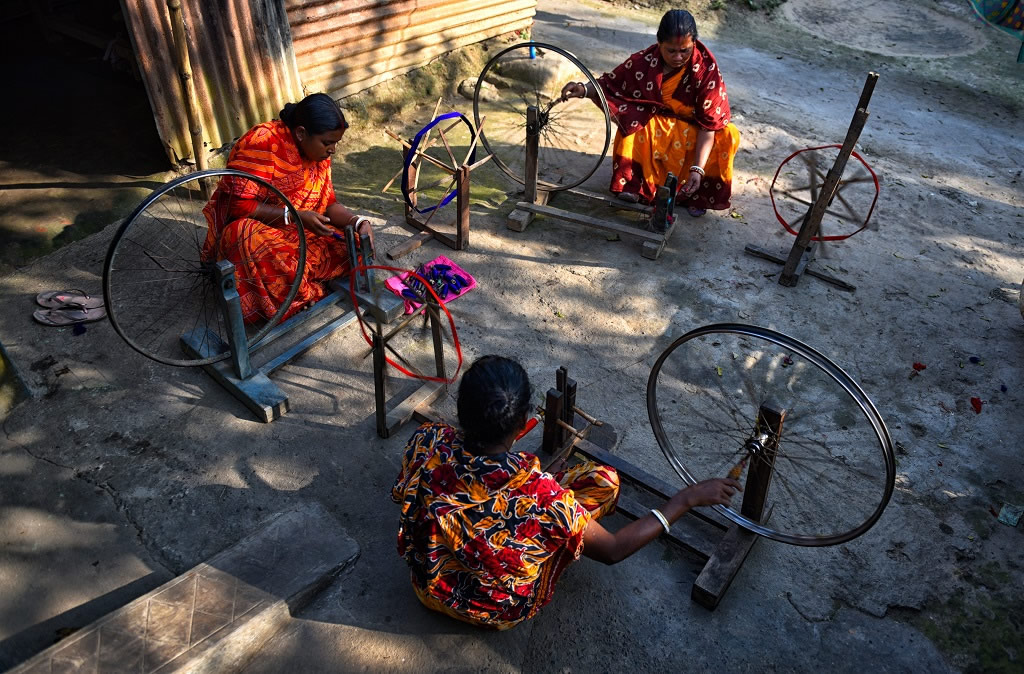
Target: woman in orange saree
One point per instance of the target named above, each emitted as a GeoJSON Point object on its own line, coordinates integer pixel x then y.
{"type": "Point", "coordinates": [247, 223]}
{"type": "Point", "coordinates": [672, 115]}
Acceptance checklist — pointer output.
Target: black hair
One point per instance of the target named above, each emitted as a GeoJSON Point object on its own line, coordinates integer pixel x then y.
{"type": "Point", "coordinates": [317, 113]}
{"type": "Point", "coordinates": [494, 399]}
{"type": "Point", "coordinates": [675, 24]}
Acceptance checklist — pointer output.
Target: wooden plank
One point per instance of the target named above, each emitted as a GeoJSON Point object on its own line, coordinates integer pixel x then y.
{"type": "Point", "coordinates": [695, 539]}
{"type": "Point", "coordinates": [587, 221]}
{"type": "Point", "coordinates": [308, 342]}
{"type": "Point", "coordinates": [765, 255]}
{"type": "Point", "coordinates": [518, 219]}
{"type": "Point", "coordinates": [405, 410]}
{"type": "Point", "coordinates": [644, 480]}
{"type": "Point", "coordinates": [722, 567]}
{"type": "Point", "coordinates": [611, 201]}
{"type": "Point", "coordinates": [409, 245]}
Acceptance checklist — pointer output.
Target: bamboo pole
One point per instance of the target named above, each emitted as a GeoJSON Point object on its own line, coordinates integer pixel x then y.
{"type": "Point", "coordinates": [187, 82]}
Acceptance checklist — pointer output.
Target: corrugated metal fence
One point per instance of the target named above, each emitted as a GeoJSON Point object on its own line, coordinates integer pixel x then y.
{"type": "Point", "coordinates": [242, 64]}
{"type": "Point", "coordinates": [345, 46]}
{"type": "Point", "coordinates": [250, 57]}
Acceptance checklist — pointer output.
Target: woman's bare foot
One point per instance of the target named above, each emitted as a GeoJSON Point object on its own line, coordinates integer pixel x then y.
{"type": "Point", "coordinates": [628, 196]}
{"type": "Point", "coordinates": [696, 212]}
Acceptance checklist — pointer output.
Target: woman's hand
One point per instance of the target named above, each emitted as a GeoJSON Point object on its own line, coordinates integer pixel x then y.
{"type": "Point", "coordinates": [716, 491]}
{"type": "Point", "coordinates": [574, 90]}
{"type": "Point", "coordinates": [692, 183]}
{"type": "Point", "coordinates": [364, 228]}
{"type": "Point", "coordinates": [316, 223]}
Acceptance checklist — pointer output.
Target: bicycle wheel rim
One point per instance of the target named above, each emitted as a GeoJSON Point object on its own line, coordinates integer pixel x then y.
{"type": "Point", "coordinates": [502, 151]}
{"type": "Point", "coordinates": [882, 484]}
{"type": "Point", "coordinates": [188, 250]}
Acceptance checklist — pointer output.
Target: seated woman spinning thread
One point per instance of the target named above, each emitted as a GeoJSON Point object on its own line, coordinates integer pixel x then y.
{"type": "Point", "coordinates": [485, 531]}
{"type": "Point", "coordinates": [672, 115]}
{"type": "Point", "coordinates": [248, 224]}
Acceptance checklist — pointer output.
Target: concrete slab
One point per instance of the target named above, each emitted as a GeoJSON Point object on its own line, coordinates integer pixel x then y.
{"type": "Point", "coordinates": [214, 617]}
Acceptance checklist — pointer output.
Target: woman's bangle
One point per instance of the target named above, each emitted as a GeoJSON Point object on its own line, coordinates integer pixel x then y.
{"type": "Point", "coordinates": [287, 217]}
{"type": "Point", "coordinates": [697, 169]}
{"type": "Point", "coordinates": [661, 518]}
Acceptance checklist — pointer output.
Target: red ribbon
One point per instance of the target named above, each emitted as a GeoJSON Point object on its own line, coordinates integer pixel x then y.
{"type": "Point", "coordinates": [362, 324]}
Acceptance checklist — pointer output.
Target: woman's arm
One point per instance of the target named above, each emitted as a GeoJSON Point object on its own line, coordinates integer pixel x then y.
{"type": "Point", "coordinates": [705, 141]}
{"type": "Point", "coordinates": [604, 546]}
{"type": "Point", "coordinates": [580, 90]}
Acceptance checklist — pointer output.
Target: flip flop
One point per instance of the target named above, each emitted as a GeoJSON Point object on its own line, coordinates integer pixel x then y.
{"type": "Point", "coordinates": [73, 298]}
{"type": "Point", "coordinates": [68, 316]}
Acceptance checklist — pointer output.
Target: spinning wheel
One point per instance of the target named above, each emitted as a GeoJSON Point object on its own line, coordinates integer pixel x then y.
{"type": "Point", "coordinates": [158, 284]}
{"type": "Point", "coordinates": [797, 185]}
{"type": "Point", "coordinates": [435, 171]}
{"type": "Point", "coordinates": [728, 393]}
{"type": "Point", "coordinates": [437, 166]}
{"type": "Point", "coordinates": [574, 135]}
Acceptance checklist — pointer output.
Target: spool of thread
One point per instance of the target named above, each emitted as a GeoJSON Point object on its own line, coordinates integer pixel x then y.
{"type": "Point", "coordinates": [737, 470]}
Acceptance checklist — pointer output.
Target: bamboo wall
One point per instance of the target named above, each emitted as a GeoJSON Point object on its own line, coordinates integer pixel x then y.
{"type": "Point", "coordinates": [345, 46]}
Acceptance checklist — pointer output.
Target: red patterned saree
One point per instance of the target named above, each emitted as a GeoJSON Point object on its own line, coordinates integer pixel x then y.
{"type": "Point", "coordinates": [658, 119]}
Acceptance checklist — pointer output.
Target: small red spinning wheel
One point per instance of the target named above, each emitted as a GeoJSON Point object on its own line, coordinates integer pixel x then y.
{"type": "Point", "coordinates": [797, 186]}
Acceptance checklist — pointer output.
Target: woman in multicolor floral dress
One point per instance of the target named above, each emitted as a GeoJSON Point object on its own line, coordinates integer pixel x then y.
{"type": "Point", "coordinates": [485, 531]}
{"type": "Point", "coordinates": [672, 115]}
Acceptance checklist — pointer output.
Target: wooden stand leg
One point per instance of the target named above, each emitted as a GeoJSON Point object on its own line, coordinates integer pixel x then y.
{"type": "Point", "coordinates": [552, 413]}
{"type": "Point", "coordinates": [379, 393]}
{"type": "Point", "coordinates": [519, 219]}
{"type": "Point", "coordinates": [801, 254]}
{"type": "Point", "coordinates": [462, 206]}
{"type": "Point", "coordinates": [714, 580]}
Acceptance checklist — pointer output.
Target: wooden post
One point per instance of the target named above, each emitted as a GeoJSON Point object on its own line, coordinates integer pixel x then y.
{"type": "Point", "coordinates": [532, 146]}
{"type": "Point", "coordinates": [552, 414]}
{"type": "Point", "coordinates": [434, 311]}
{"type": "Point", "coordinates": [380, 399]}
{"type": "Point", "coordinates": [568, 409]}
{"type": "Point", "coordinates": [462, 208]}
{"type": "Point", "coordinates": [762, 465]}
{"type": "Point", "coordinates": [187, 84]}
{"type": "Point", "coordinates": [231, 304]}
{"type": "Point", "coordinates": [798, 257]}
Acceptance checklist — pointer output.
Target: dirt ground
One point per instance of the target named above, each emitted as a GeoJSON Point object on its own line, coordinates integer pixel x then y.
{"type": "Point", "coordinates": [120, 472]}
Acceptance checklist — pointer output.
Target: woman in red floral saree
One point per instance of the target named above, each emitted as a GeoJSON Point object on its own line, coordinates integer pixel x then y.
{"type": "Point", "coordinates": [486, 533]}
{"type": "Point", "coordinates": [672, 115]}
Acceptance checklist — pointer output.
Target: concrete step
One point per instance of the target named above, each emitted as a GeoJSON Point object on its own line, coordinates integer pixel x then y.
{"type": "Point", "coordinates": [216, 616]}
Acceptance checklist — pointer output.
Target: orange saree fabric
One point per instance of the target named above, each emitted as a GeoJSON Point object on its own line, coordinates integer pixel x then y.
{"type": "Point", "coordinates": [266, 258]}
{"type": "Point", "coordinates": [658, 120]}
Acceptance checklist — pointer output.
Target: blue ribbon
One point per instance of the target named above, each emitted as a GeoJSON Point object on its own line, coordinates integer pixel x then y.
{"type": "Point", "coordinates": [411, 154]}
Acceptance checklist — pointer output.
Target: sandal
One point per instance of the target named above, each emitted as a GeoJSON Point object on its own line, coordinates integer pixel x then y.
{"type": "Point", "coordinates": [69, 316]}
{"type": "Point", "coordinates": [696, 212]}
{"type": "Point", "coordinates": [73, 298]}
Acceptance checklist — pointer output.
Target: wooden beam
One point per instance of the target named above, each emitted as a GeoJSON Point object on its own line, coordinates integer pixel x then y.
{"type": "Point", "coordinates": [587, 221]}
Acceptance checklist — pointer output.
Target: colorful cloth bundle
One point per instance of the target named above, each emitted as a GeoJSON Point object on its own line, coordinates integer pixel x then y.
{"type": "Point", "coordinates": [448, 279]}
